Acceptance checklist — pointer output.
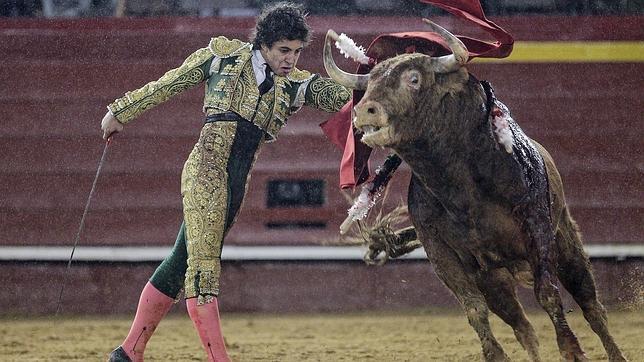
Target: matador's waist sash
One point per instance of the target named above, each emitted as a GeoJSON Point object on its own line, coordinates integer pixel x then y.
{"type": "Point", "coordinates": [225, 116]}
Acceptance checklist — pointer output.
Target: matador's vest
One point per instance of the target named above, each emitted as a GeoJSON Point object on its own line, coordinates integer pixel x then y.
{"type": "Point", "coordinates": [231, 86]}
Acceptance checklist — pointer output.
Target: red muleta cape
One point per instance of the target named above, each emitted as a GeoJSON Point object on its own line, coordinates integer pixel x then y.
{"type": "Point", "coordinates": [354, 167]}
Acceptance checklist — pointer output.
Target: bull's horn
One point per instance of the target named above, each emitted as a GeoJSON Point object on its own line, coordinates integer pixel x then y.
{"type": "Point", "coordinates": [459, 56]}
{"type": "Point", "coordinates": [353, 81]}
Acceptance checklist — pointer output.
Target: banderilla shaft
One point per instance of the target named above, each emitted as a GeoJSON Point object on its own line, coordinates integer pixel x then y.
{"type": "Point", "coordinates": [80, 227]}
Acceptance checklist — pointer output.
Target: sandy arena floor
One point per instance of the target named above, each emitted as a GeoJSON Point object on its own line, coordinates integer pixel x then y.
{"type": "Point", "coordinates": [386, 336]}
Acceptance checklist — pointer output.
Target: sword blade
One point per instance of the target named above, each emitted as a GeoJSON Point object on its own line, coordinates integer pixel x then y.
{"type": "Point", "coordinates": [81, 225]}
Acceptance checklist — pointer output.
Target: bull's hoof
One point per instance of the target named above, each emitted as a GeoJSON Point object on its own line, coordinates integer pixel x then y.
{"type": "Point", "coordinates": [575, 356]}
{"type": "Point", "coordinates": [614, 354]}
{"type": "Point", "coordinates": [501, 357]}
{"type": "Point", "coordinates": [495, 353]}
{"type": "Point", "coordinates": [618, 358]}
{"type": "Point", "coordinates": [119, 355]}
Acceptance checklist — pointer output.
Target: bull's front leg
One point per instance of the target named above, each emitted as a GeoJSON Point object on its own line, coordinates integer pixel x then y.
{"type": "Point", "coordinates": [451, 272]}
{"type": "Point", "coordinates": [541, 250]}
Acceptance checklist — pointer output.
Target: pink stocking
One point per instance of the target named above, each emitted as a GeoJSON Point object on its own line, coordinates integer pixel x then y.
{"type": "Point", "coordinates": [153, 306]}
{"type": "Point", "coordinates": [206, 320]}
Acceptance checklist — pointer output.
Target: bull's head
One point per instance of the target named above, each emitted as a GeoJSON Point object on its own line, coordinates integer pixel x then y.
{"type": "Point", "coordinates": [401, 89]}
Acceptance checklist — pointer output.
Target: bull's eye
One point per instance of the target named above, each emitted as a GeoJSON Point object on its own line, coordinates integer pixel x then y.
{"type": "Point", "coordinates": [413, 79]}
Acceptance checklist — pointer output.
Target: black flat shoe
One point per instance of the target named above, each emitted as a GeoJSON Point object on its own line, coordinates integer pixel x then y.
{"type": "Point", "coordinates": [119, 355]}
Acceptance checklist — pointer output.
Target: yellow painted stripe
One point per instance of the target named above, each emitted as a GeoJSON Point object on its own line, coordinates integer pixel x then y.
{"type": "Point", "coordinates": [573, 52]}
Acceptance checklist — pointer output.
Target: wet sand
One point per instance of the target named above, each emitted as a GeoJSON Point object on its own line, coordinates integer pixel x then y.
{"type": "Point", "coordinates": [429, 335]}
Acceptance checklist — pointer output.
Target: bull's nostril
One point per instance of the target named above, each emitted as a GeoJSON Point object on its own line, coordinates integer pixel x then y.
{"type": "Point", "coordinates": [371, 110]}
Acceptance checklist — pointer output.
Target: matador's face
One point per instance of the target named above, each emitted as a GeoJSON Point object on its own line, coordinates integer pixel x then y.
{"type": "Point", "coordinates": [283, 55]}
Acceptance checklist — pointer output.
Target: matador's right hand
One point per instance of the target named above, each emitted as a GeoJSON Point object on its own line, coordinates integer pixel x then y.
{"type": "Point", "coordinates": [110, 125]}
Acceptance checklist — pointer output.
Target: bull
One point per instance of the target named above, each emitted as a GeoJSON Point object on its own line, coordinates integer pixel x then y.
{"type": "Point", "coordinates": [486, 202]}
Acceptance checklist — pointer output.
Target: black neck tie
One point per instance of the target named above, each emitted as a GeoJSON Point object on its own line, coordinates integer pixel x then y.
{"type": "Point", "coordinates": [268, 81]}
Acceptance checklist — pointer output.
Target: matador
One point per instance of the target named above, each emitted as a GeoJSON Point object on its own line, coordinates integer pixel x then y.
{"type": "Point", "coordinates": [251, 88]}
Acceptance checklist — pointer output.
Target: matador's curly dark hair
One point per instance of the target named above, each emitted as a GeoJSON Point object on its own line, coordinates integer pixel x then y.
{"type": "Point", "coordinates": [283, 20]}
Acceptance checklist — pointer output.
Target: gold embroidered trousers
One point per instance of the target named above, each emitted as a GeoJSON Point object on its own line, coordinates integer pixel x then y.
{"type": "Point", "coordinates": [213, 185]}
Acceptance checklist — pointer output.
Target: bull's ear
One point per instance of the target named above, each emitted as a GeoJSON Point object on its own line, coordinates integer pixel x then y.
{"type": "Point", "coordinates": [451, 82]}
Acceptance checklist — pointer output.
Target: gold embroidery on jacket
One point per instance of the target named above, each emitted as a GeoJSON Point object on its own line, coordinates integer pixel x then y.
{"type": "Point", "coordinates": [153, 93]}
{"type": "Point", "coordinates": [224, 47]}
{"type": "Point", "coordinates": [237, 91]}
{"type": "Point", "coordinates": [204, 188]}
{"type": "Point", "coordinates": [327, 95]}
{"type": "Point", "coordinates": [232, 87]}
{"type": "Point", "coordinates": [280, 108]}
{"type": "Point", "coordinates": [242, 92]}
{"type": "Point", "coordinates": [300, 76]}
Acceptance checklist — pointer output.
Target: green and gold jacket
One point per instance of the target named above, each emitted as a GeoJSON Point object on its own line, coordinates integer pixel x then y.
{"type": "Point", "coordinates": [225, 65]}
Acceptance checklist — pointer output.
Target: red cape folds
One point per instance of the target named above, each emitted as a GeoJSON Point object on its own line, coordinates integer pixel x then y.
{"type": "Point", "coordinates": [354, 167]}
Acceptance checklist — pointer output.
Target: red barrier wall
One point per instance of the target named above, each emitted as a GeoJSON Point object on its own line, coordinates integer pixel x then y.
{"type": "Point", "coordinates": [57, 76]}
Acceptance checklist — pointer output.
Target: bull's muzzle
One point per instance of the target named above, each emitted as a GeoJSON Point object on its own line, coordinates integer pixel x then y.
{"type": "Point", "coordinates": [372, 120]}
